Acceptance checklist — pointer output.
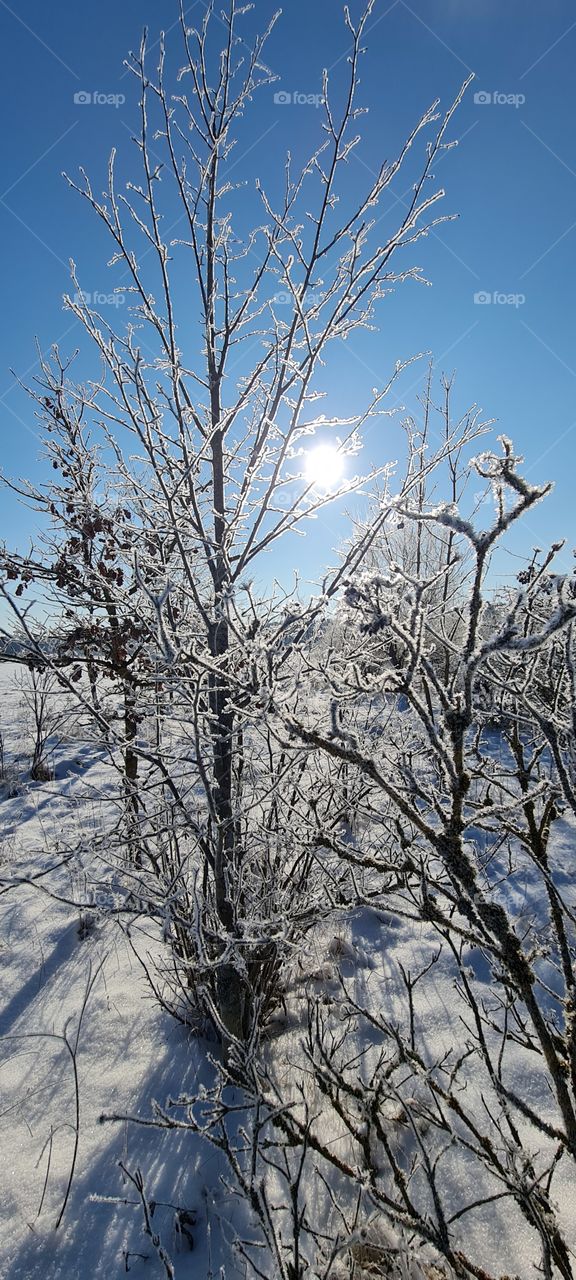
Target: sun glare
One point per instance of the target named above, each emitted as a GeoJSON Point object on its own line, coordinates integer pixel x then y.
{"type": "Point", "coordinates": [324, 466]}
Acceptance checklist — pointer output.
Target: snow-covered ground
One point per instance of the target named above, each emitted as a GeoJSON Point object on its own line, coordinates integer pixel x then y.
{"type": "Point", "coordinates": [55, 971]}
{"type": "Point", "coordinates": [128, 1050]}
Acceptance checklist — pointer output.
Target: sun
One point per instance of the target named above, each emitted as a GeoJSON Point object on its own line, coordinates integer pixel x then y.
{"type": "Point", "coordinates": [324, 466]}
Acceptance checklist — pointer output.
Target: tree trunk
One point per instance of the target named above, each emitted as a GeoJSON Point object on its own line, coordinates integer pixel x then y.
{"type": "Point", "coordinates": [131, 774]}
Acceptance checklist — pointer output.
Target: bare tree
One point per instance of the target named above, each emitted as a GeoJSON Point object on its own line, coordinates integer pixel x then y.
{"type": "Point", "coordinates": [368, 1141]}
{"type": "Point", "coordinates": [49, 716]}
{"type": "Point", "coordinates": [207, 452]}
{"type": "Point", "coordinates": [463, 796]}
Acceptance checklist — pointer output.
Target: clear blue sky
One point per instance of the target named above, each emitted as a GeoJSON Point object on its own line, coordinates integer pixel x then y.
{"type": "Point", "coordinates": [512, 180]}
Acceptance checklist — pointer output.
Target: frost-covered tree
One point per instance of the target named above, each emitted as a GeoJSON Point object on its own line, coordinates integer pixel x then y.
{"type": "Point", "coordinates": [202, 413]}
{"type": "Point", "coordinates": [468, 766]}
